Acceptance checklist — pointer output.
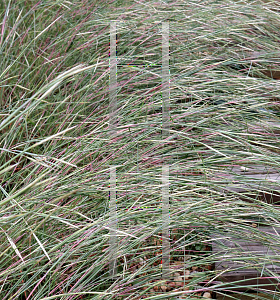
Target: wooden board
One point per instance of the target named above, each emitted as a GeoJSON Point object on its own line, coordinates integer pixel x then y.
{"type": "Point", "coordinates": [235, 266]}
{"type": "Point", "coordinates": [242, 297]}
{"type": "Point", "coordinates": [258, 178]}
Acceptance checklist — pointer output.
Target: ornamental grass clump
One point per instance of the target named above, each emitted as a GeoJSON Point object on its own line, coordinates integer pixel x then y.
{"type": "Point", "coordinates": [57, 148]}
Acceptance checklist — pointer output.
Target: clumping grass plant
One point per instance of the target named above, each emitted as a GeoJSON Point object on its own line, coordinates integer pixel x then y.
{"type": "Point", "coordinates": [57, 149]}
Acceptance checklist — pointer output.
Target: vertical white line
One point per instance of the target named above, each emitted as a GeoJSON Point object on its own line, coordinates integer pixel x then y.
{"type": "Point", "coordinates": [165, 133]}
{"type": "Point", "coordinates": [165, 79]}
{"type": "Point", "coordinates": [165, 222]}
{"type": "Point", "coordinates": [184, 257]}
{"type": "Point", "coordinates": [112, 126]}
{"type": "Point", "coordinates": [113, 77]}
{"type": "Point", "coordinates": [113, 220]}
{"type": "Point", "coordinates": [165, 167]}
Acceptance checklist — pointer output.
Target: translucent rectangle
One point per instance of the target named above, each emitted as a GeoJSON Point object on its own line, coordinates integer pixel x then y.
{"type": "Point", "coordinates": [113, 78]}
{"type": "Point", "coordinates": [113, 221]}
{"type": "Point", "coordinates": [165, 80]}
{"type": "Point", "coordinates": [165, 222]}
